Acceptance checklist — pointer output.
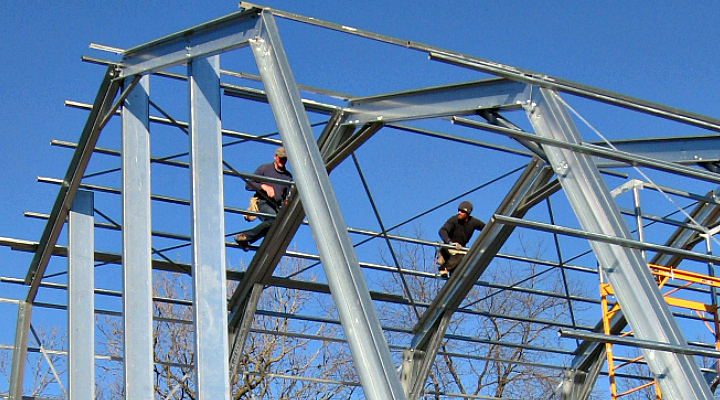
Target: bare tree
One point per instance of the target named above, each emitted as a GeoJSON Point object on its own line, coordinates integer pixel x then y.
{"type": "Point", "coordinates": [284, 356]}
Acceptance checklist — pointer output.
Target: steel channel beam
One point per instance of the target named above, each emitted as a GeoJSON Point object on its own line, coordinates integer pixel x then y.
{"type": "Point", "coordinates": [102, 106]}
{"type": "Point", "coordinates": [683, 150]}
{"type": "Point", "coordinates": [208, 230]}
{"type": "Point", "coordinates": [20, 347]}
{"type": "Point", "coordinates": [431, 326]}
{"type": "Point", "coordinates": [367, 343]}
{"type": "Point", "coordinates": [81, 303]}
{"type": "Point", "coordinates": [636, 291]}
{"type": "Point", "coordinates": [440, 101]}
{"type": "Point", "coordinates": [204, 40]}
{"type": "Point", "coordinates": [136, 244]}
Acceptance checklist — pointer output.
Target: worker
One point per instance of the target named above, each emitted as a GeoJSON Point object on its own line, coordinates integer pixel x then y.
{"type": "Point", "coordinates": [271, 196]}
{"type": "Point", "coordinates": [456, 232]}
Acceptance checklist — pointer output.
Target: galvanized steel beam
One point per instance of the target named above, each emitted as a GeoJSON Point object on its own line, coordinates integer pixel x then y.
{"type": "Point", "coordinates": [81, 298]}
{"type": "Point", "coordinates": [599, 151]}
{"type": "Point", "coordinates": [349, 291]}
{"type": "Point", "coordinates": [208, 230]}
{"type": "Point", "coordinates": [637, 293]}
{"type": "Point", "coordinates": [683, 150]}
{"type": "Point", "coordinates": [509, 71]}
{"type": "Point", "coordinates": [441, 101]}
{"type": "Point", "coordinates": [20, 347]}
{"type": "Point", "coordinates": [136, 244]}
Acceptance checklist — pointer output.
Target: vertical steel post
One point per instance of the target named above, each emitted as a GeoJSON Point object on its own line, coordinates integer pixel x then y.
{"type": "Point", "coordinates": [638, 217]}
{"type": "Point", "coordinates": [361, 325]}
{"type": "Point", "coordinates": [17, 368]}
{"type": "Point", "coordinates": [208, 230]}
{"type": "Point", "coordinates": [637, 292]}
{"type": "Point", "coordinates": [81, 302]}
{"type": "Point", "coordinates": [136, 246]}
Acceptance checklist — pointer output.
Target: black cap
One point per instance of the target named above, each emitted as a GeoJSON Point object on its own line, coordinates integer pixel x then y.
{"type": "Point", "coordinates": [466, 206]}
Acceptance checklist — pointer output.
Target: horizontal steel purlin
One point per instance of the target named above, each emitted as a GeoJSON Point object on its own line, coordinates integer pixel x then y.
{"type": "Point", "coordinates": [204, 40]}
{"type": "Point", "coordinates": [457, 99]}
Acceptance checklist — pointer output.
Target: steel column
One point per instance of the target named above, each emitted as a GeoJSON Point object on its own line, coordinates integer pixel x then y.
{"type": "Point", "coordinates": [17, 368]}
{"type": "Point", "coordinates": [81, 302]}
{"type": "Point", "coordinates": [208, 230]}
{"type": "Point", "coordinates": [367, 343]}
{"type": "Point", "coordinates": [637, 293]}
{"type": "Point", "coordinates": [136, 246]}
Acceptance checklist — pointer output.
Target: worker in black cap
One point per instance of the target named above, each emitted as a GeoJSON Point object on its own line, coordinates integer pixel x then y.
{"type": "Point", "coordinates": [457, 232]}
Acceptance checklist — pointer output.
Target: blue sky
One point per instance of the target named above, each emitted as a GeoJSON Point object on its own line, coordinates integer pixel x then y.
{"type": "Point", "coordinates": [666, 52]}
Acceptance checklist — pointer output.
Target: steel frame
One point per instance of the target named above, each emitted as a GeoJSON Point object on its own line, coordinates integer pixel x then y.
{"type": "Point", "coordinates": [555, 148]}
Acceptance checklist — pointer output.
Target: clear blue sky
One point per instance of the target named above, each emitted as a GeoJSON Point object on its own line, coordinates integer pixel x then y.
{"type": "Point", "coordinates": [667, 52]}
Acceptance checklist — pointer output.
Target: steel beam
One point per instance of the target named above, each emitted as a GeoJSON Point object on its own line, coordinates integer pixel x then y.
{"type": "Point", "coordinates": [441, 101]}
{"type": "Point", "coordinates": [362, 328]}
{"type": "Point", "coordinates": [432, 325]}
{"type": "Point", "coordinates": [637, 293]}
{"type": "Point", "coordinates": [136, 244]}
{"type": "Point", "coordinates": [204, 40]}
{"type": "Point", "coordinates": [683, 150]}
{"type": "Point", "coordinates": [81, 302]}
{"type": "Point", "coordinates": [20, 347]}
{"type": "Point", "coordinates": [102, 107]}
{"type": "Point", "coordinates": [208, 230]}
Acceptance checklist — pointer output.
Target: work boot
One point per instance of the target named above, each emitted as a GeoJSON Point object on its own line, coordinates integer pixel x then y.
{"type": "Point", "coordinates": [242, 241]}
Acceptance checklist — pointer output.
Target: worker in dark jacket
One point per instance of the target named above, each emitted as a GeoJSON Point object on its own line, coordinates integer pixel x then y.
{"type": "Point", "coordinates": [270, 200]}
{"type": "Point", "coordinates": [457, 232]}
